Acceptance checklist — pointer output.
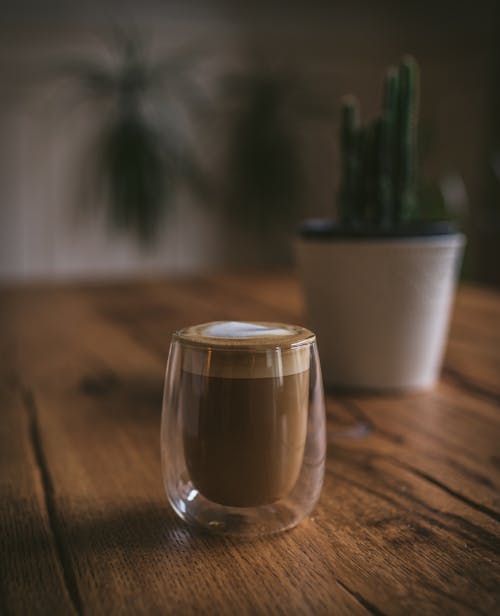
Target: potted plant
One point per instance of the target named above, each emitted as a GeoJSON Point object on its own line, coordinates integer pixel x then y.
{"type": "Point", "coordinates": [379, 281]}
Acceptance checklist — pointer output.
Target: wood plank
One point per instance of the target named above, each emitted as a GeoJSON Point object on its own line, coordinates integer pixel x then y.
{"type": "Point", "coordinates": [33, 576]}
{"type": "Point", "coordinates": [404, 560]}
{"type": "Point", "coordinates": [449, 446]}
{"type": "Point", "coordinates": [406, 522]}
{"type": "Point", "coordinates": [452, 470]}
{"type": "Point", "coordinates": [129, 553]}
{"type": "Point", "coordinates": [479, 300]}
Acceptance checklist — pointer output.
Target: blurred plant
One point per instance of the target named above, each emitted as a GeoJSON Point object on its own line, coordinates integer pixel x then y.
{"type": "Point", "coordinates": [264, 168]}
{"type": "Point", "coordinates": [266, 177]}
{"type": "Point", "coordinates": [138, 158]}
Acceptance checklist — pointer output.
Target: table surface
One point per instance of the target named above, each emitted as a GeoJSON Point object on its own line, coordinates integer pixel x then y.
{"type": "Point", "coordinates": [408, 520]}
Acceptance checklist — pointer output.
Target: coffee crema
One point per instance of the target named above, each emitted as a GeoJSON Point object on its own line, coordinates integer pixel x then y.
{"type": "Point", "coordinates": [244, 390]}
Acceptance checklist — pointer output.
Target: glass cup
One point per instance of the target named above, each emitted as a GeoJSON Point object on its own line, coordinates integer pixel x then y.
{"type": "Point", "coordinates": [243, 426]}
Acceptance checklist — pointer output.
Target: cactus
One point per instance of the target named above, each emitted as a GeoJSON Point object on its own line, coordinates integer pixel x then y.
{"type": "Point", "coordinates": [379, 161]}
{"type": "Point", "coordinates": [387, 146]}
{"type": "Point", "coordinates": [407, 140]}
{"type": "Point", "coordinates": [349, 143]}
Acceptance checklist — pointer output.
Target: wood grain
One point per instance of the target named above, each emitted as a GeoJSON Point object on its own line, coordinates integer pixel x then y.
{"type": "Point", "coordinates": [409, 517]}
{"type": "Point", "coordinates": [32, 575]}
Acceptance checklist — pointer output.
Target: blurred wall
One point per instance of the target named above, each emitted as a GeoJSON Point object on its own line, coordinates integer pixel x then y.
{"type": "Point", "coordinates": [43, 233]}
{"type": "Point", "coordinates": [343, 48]}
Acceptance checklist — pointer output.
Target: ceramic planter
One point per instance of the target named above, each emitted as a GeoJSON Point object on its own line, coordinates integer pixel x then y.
{"type": "Point", "coordinates": [380, 306]}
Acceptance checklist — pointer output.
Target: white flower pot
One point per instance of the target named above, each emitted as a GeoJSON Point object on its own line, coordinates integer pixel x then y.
{"type": "Point", "coordinates": [380, 307]}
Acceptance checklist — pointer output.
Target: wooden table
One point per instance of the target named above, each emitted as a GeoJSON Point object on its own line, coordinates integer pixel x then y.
{"type": "Point", "coordinates": [408, 521]}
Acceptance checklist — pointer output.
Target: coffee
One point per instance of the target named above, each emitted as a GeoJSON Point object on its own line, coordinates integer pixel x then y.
{"type": "Point", "coordinates": [243, 415]}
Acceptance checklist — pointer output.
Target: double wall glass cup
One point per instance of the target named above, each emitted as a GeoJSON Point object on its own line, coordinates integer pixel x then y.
{"type": "Point", "coordinates": [243, 426]}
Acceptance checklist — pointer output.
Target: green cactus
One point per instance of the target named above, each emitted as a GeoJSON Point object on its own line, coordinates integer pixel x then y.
{"type": "Point", "coordinates": [388, 124]}
{"type": "Point", "coordinates": [379, 161]}
{"type": "Point", "coordinates": [407, 140]}
{"type": "Point", "coordinates": [349, 143]}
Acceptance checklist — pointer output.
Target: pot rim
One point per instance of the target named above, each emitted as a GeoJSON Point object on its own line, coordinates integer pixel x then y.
{"type": "Point", "coordinates": [328, 230]}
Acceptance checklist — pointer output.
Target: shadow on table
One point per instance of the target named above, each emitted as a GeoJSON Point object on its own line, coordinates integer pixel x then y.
{"type": "Point", "coordinates": [150, 528]}
{"type": "Point", "coordinates": [134, 397]}
{"type": "Point", "coordinates": [144, 530]}
{"type": "Point", "coordinates": [140, 528]}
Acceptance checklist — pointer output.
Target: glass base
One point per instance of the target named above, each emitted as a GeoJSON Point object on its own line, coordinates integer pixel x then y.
{"type": "Point", "coordinates": [199, 511]}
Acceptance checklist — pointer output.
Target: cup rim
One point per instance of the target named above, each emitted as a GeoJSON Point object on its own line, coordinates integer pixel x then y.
{"type": "Point", "coordinates": [194, 336]}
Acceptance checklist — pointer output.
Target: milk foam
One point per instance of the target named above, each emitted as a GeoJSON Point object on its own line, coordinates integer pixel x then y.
{"type": "Point", "coordinates": [240, 329]}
